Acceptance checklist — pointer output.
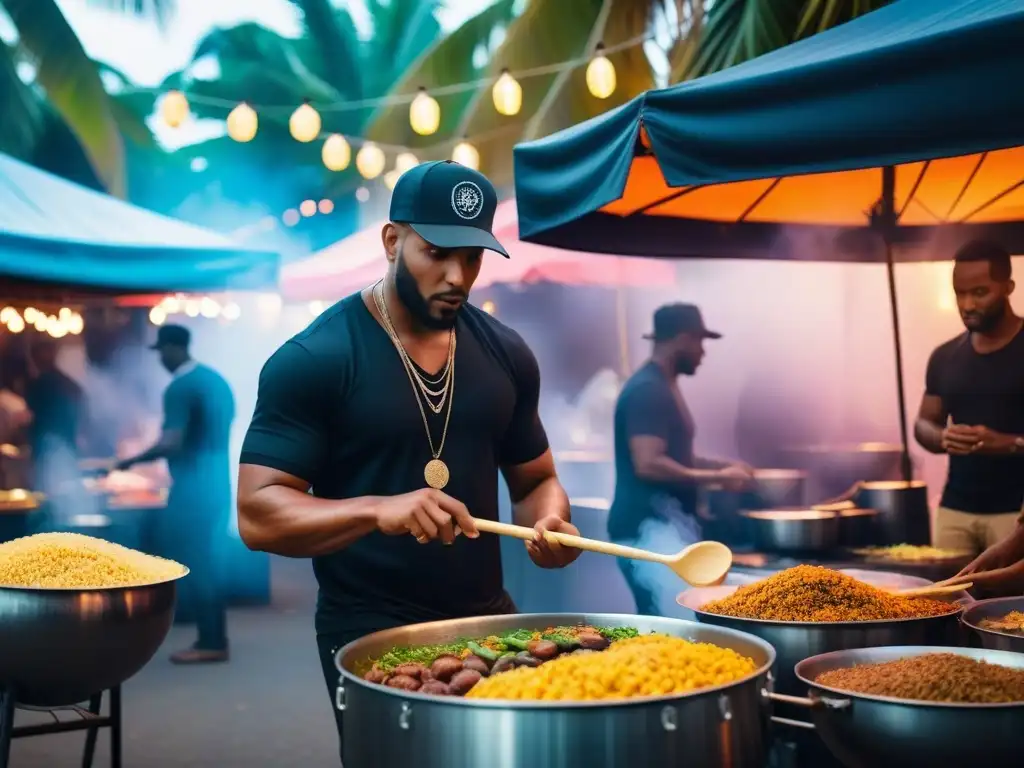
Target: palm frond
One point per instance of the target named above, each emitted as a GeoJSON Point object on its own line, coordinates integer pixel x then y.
{"type": "Point", "coordinates": [160, 11]}
{"type": "Point", "coordinates": [337, 46]}
{"type": "Point", "coordinates": [72, 85]}
{"type": "Point", "coordinates": [23, 123]}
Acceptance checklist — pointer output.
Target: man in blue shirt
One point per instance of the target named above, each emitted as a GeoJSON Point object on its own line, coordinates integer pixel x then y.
{"type": "Point", "coordinates": [198, 411]}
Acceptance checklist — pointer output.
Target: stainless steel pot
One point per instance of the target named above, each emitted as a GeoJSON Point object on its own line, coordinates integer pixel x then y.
{"type": "Point", "coordinates": [994, 609]}
{"type": "Point", "coordinates": [793, 530]}
{"type": "Point", "coordinates": [794, 640]}
{"type": "Point", "coordinates": [866, 731]}
{"type": "Point", "coordinates": [723, 726]}
{"type": "Point", "coordinates": [903, 512]}
{"type": "Point", "coordinates": [60, 646]}
{"type": "Point", "coordinates": [781, 487]}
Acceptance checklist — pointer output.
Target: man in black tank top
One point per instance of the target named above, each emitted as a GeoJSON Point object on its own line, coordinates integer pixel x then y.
{"type": "Point", "coordinates": [973, 406]}
{"type": "Point", "coordinates": [379, 432]}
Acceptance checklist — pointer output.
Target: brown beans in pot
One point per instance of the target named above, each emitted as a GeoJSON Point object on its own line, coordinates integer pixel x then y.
{"type": "Point", "coordinates": [412, 669]}
{"type": "Point", "coordinates": [436, 688]}
{"type": "Point", "coordinates": [545, 650]}
{"type": "Point", "coordinates": [376, 675]}
{"type": "Point", "coordinates": [444, 668]}
{"type": "Point", "coordinates": [504, 664]}
{"type": "Point", "coordinates": [475, 662]}
{"type": "Point", "coordinates": [464, 681]}
{"type": "Point", "coordinates": [405, 682]}
{"type": "Point", "coordinates": [593, 641]}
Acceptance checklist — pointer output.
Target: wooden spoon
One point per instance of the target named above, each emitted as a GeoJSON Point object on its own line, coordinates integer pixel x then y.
{"type": "Point", "coordinates": [703, 564]}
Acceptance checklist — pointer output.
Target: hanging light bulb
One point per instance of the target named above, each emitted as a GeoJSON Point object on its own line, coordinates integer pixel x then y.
{"type": "Point", "coordinates": [466, 154]}
{"type": "Point", "coordinates": [76, 324]}
{"type": "Point", "coordinates": [325, 206]}
{"type": "Point", "coordinates": [362, 194]}
{"type": "Point", "coordinates": [307, 208]}
{"type": "Point", "coordinates": [406, 161]}
{"type": "Point", "coordinates": [304, 124]}
{"type": "Point", "coordinates": [157, 315]}
{"type": "Point", "coordinates": [192, 307]}
{"type": "Point", "coordinates": [336, 153]}
{"type": "Point", "coordinates": [15, 324]}
{"type": "Point", "coordinates": [208, 307]}
{"type": "Point", "coordinates": [391, 178]}
{"type": "Point", "coordinates": [507, 94]}
{"type": "Point", "coordinates": [174, 108]}
{"type": "Point", "coordinates": [243, 123]}
{"type": "Point", "coordinates": [424, 113]}
{"type": "Point", "coordinates": [370, 160]}
{"type": "Point", "coordinates": [7, 313]}
{"type": "Point", "coordinates": [600, 74]}
{"type": "Point", "coordinates": [290, 217]}
{"type": "Point", "coordinates": [231, 311]}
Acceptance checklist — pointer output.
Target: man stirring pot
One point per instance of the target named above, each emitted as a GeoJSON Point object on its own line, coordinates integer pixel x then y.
{"type": "Point", "coordinates": [380, 429]}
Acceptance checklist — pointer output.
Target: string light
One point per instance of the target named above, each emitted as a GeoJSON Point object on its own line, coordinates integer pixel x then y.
{"type": "Point", "coordinates": [308, 208]}
{"type": "Point", "coordinates": [325, 206]}
{"type": "Point", "coordinates": [157, 315]}
{"type": "Point", "coordinates": [424, 113]}
{"type": "Point", "coordinates": [362, 194]}
{"type": "Point", "coordinates": [174, 108]}
{"type": "Point", "coordinates": [391, 178]}
{"type": "Point", "coordinates": [406, 161]}
{"type": "Point", "coordinates": [290, 217]}
{"type": "Point", "coordinates": [16, 324]}
{"type": "Point", "coordinates": [243, 123]}
{"type": "Point", "coordinates": [466, 154]}
{"type": "Point", "coordinates": [507, 94]}
{"type": "Point", "coordinates": [601, 79]}
{"type": "Point", "coordinates": [370, 160]}
{"type": "Point", "coordinates": [336, 153]}
{"type": "Point", "coordinates": [304, 124]}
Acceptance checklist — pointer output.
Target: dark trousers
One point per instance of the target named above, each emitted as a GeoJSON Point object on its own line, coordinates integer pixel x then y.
{"type": "Point", "coordinates": [646, 599]}
{"type": "Point", "coordinates": [328, 645]}
{"type": "Point", "coordinates": [199, 543]}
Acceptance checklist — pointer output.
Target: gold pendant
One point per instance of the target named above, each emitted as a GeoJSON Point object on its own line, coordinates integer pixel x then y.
{"type": "Point", "coordinates": [436, 474]}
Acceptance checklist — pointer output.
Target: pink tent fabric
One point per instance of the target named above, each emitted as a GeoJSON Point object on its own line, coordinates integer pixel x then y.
{"type": "Point", "coordinates": [358, 261]}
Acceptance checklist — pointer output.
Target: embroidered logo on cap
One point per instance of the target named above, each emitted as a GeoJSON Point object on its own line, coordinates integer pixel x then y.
{"type": "Point", "coordinates": [467, 200]}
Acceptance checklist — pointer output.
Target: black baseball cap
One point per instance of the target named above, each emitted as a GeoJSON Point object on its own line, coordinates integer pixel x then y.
{"type": "Point", "coordinates": [674, 319]}
{"type": "Point", "coordinates": [448, 205]}
{"type": "Point", "coordinates": [172, 336]}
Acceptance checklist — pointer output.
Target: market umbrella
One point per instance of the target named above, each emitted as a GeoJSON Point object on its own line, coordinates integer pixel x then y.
{"type": "Point", "coordinates": [893, 137]}
{"type": "Point", "coordinates": [54, 233]}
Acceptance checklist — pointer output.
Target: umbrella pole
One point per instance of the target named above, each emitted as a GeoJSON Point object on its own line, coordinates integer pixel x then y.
{"type": "Point", "coordinates": [885, 219]}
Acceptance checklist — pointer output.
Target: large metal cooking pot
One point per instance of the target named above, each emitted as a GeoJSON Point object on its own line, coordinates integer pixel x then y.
{"type": "Point", "coordinates": [723, 726]}
{"type": "Point", "coordinates": [793, 530]}
{"type": "Point", "coordinates": [60, 646]}
{"type": "Point", "coordinates": [781, 487]}
{"type": "Point", "coordinates": [867, 731]}
{"type": "Point", "coordinates": [857, 527]}
{"type": "Point", "coordinates": [796, 640]}
{"type": "Point", "coordinates": [903, 512]}
{"type": "Point", "coordinates": [994, 609]}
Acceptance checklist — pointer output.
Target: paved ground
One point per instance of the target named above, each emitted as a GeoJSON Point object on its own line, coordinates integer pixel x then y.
{"type": "Point", "coordinates": [267, 707]}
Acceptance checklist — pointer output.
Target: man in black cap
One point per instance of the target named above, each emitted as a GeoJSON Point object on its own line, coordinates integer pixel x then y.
{"type": "Point", "coordinates": [198, 411]}
{"type": "Point", "coordinates": [375, 442]}
{"type": "Point", "coordinates": [657, 472]}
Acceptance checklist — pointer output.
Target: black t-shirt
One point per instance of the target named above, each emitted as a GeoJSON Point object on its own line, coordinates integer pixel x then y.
{"type": "Point", "coordinates": [982, 390]}
{"type": "Point", "coordinates": [648, 406]}
{"type": "Point", "coordinates": [336, 409]}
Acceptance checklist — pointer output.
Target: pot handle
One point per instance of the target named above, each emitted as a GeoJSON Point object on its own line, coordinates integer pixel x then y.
{"type": "Point", "coordinates": [793, 723]}
{"type": "Point", "coordinates": [808, 702]}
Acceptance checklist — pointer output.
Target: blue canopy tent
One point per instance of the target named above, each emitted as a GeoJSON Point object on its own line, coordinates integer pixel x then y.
{"type": "Point", "coordinates": [895, 136]}
{"type": "Point", "coordinates": [53, 232]}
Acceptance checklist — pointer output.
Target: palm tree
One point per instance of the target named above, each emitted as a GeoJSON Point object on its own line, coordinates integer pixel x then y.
{"type": "Point", "coordinates": [691, 37]}
{"type": "Point", "coordinates": [66, 93]}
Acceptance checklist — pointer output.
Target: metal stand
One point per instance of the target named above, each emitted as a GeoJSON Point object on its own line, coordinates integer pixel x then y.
{"type": "Point", "coordinates": [89, 720]}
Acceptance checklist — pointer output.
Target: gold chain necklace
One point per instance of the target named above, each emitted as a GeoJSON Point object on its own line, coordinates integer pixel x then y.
{"type": "Point", "coordinates": [421, 381]}
{"type": "Point", "coordinates": [435, 473]}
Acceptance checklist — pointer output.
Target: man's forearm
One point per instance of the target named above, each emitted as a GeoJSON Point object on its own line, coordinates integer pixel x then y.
{"type": "Point", "coordinates": [158, 451]}
{"type": "Point", "coordinates": [665, 470]}
{"type": "Point", "coordinates": [929, 435]}
{"type": "Point", "coordinates": [703, 462]}
{"type": "Point", "coordinates": [547, 498]}
{"type": "Point", "coordinates": [284, 521]}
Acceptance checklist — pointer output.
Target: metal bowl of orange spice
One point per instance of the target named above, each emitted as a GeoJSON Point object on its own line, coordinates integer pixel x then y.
{"type": "Point", "coordinates": [810, 610]}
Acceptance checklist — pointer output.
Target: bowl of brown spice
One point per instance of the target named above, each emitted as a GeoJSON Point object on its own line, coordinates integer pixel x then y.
{"type": "Point", "coordinates": [809, 610]}
{"type": "Point", "coordinates": [999, 623]}
{"type": "Point", "coordinates": [917, 707]}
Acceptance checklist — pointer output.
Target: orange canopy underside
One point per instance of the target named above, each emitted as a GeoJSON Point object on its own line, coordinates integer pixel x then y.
{"type": "Point", "coordinates": [977, 189]}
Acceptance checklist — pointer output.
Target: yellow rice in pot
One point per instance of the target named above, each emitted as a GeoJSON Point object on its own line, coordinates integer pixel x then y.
{"type": "Point", "coordinates": [651, 665]}
{"type": "Point", "coordinates": [74, 561]}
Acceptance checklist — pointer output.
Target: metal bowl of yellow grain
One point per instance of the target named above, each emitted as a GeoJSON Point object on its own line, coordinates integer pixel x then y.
{"type": "Point", "coordinates": [79, 615]}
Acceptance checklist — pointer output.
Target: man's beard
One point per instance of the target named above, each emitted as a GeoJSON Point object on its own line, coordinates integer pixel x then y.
{"type": "Point", "coordinates": [409, 294]}
{"type": "Point", "coordinates": [990, 320]}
